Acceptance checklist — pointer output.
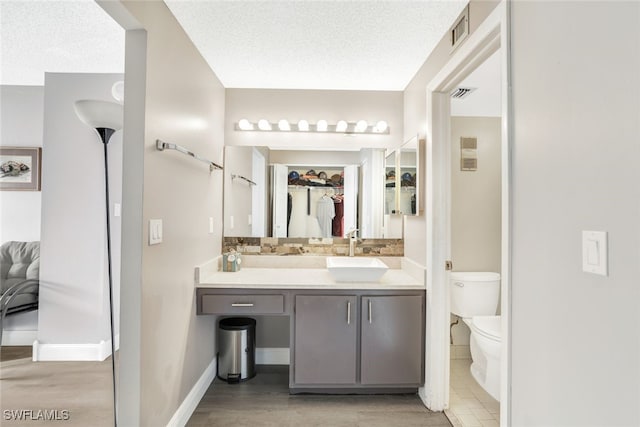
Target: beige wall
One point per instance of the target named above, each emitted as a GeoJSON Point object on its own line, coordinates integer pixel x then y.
{"type": "Point", "coordinates": [183, 103]}
{"type": "Point", "coordinates": [415, 118]}
{"type": "Point", "coordinates": [475, 203]}
{"type": "Point", "coordinates": [576, 108]}
{"type": "Point", "coordinates": [313, 105]}
{"type": "Point", "coordinates": [238, 202]}
{"type": "Point", "coordinates": [475, 197]}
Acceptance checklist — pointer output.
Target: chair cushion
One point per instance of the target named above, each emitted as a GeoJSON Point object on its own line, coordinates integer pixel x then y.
{"type": "Point", "coordinates": [18, 261]}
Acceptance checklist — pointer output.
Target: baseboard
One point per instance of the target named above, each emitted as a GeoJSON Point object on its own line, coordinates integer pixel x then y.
{"type": "Point", "coordinates": [272, 356]}
{"type": "Point", "coordinates": [191, 401]}
{"type": "Point", "coordinates": [43, 352]}
{"type": "Point", "coordinates": [19, 337]}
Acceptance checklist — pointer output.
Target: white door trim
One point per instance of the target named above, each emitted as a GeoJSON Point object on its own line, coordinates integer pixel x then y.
{"type": "Point", "coordinates": [490, 36]}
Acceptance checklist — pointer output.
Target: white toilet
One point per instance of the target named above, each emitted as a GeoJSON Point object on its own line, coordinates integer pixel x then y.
{"type": "Point", "coordinates": [474, 297]}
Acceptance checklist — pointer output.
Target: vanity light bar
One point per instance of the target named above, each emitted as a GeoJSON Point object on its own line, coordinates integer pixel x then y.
{"type": "Point", "coordinates": [342, 126]}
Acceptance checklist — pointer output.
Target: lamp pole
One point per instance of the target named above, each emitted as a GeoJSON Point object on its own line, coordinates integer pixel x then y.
{"type": "Point", "coordinates": [105, 136]}
{"type": "Point", "coordinates": [106, 118]}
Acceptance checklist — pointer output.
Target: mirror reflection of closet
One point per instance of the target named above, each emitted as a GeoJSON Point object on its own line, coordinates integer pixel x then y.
{"type": "Point", "coordinates": [390, 183]}
{"type": "Point", "coordinates": [314, 201]}
{"type": "Point", "coordinates": [407, 171]}
{"type": "Point", "coordinates": [403, 174]}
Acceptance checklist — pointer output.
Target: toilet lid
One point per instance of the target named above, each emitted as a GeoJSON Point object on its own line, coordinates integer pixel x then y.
{"type": "Point", "coordinates": [489, 326]}
{"type": "Point", "coordinates": [475, 276]}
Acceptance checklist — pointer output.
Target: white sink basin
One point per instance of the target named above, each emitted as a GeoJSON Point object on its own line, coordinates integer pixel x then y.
{"type": "Point", "coordinates": [356, 269]}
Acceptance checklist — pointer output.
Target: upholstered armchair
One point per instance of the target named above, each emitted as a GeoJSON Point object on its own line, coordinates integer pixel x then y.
{"type": "Point", "coordinates": [19, 278]}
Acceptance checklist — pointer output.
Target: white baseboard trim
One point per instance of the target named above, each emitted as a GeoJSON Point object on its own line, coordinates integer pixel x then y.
{"type": "Point", "coordinates": [272, 356]}
{"type": "Point", "coordinates": [43, 352]}
{"type": "Point", "coordinates": [191, 401]}
{"type": "Point", "coordinates": [19, 337]}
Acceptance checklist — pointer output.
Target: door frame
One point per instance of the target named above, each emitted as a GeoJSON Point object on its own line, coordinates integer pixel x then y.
{"type": "Point", "coordinates": [491, 35]}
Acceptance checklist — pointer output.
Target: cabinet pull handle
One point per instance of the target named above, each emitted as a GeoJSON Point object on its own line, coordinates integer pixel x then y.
{"type": "Point", "coordinates": [242, 304]}
{"type": "Point", "coordinates": [370, 311]}
{"type": "Point", "coordinates": [348, 312]}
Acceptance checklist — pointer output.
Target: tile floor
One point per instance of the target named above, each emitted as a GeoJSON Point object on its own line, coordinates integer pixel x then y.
{"type": "Point", "coordinates": [469, 404]}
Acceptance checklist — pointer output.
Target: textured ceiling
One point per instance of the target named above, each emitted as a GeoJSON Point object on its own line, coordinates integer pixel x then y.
{"type": "Point", "coordinates": [358, 45]}
{"type": "Point", "coordinates": [57, 36]}
{"type": "Point", "coordinates": [365, 45]}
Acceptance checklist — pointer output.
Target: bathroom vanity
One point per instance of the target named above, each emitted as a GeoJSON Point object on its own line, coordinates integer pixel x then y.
{"type": "Point", "coordinates": [345, 337]}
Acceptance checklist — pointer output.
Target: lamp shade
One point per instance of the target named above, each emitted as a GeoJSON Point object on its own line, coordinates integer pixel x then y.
{"type": "Point", "coordinates": [100, 114]}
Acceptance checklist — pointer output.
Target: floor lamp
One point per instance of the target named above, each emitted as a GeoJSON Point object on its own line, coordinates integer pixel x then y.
{"type": "Point", "coordinates": [106, 118]}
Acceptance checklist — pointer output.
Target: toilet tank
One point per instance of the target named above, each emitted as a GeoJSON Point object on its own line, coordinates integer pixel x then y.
{"type": "Point", "coordinates": [474, 293]}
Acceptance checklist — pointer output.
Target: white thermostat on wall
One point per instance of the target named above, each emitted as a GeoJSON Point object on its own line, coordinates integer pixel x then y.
{"type": "Point", "coordinates": [594, 252]}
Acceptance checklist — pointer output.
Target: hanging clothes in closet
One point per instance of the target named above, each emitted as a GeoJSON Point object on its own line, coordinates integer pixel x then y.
{"type": "Point", "coordinates": [337, 226]}
{"type": "Point", "coordinates": [325, 212]}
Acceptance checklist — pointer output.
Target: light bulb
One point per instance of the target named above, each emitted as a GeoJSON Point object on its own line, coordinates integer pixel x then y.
{"type": "Point", "coordinates": [341, 126]}
{"type": "Point", "coordinates": [381, 126]}
{"type": "Point", "coordinates": [264, 125]}
{"type": "Point", "coordinates": [322, 126]}
{"type": "Point", "coordinates": [245, 124]}
{"type": "Point", "coordinates": [361, 126]}
{"type": "Point", "coordinates": [303, 125]}
{"type": "Point", "coordinates": [283, 125]}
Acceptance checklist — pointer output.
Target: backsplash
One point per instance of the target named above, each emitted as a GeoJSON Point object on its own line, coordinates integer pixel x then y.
{"type": "Point", "coordinates": [312, 246]}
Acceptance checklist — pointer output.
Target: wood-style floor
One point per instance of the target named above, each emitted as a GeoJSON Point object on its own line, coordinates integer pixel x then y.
{"type": "Point", "coordinates": [265, 401]}
{"type": "Point", "coordinates": [84, 389]}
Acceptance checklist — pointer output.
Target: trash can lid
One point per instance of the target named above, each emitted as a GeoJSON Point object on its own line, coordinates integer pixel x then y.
{"type": "Point", "coordinates": [237, 323]}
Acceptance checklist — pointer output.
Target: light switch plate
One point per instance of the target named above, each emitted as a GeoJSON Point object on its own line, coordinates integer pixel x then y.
{"type": "Point", "coordinates": [117, 209]}
{"type": "Point", "coordinates": [155, 231]}
{"type": "Point", "coordinates": [595, 252]}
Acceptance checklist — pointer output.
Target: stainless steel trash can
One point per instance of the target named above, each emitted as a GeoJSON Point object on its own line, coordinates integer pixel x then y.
{"type": "Point", "coordinates": [236, 349]}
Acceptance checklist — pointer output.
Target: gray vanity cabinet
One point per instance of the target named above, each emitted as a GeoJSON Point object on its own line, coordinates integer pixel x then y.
{"type": "Point", "coordinates": [326, 335]}
{"type": "Point", "coordinates": [391, 340]}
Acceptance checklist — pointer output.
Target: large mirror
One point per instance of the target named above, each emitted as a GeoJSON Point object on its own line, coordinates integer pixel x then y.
{"type": "Point", "coordinates": [302, 193]}
{"type": "Point", "coordinates": [403, 175]}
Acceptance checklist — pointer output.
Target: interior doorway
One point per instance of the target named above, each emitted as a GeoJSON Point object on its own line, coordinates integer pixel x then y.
{"type": "Point", "coordinates": [475, 176]}
{"type": "Point", "coordinates": [489, 38]}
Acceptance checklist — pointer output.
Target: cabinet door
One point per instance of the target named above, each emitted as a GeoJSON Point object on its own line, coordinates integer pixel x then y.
{"type": "Point", "coordinates": [325, 339]}
{"type": "Point", "coordinates": [392, 345]}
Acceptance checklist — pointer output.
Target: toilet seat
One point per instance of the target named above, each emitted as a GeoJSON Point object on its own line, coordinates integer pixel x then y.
{"type": "Point", "coordinates": [489, 327]}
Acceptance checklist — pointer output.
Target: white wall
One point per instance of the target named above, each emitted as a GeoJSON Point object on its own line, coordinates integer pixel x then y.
{"type": "Point", "coordinates": [171, 348]}
{"type": "Point", "coordinates": [21, 109]}
{"type": "Point", "coordinates": [313, 105]}
{"type": "Point", "coordinates": [576, 105]}
{"type": "Point", "coordinates": [73, 272]}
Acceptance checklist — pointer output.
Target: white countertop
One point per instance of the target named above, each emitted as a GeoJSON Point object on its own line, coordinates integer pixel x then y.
{"type": "Point", "coordinates": [304, 278]}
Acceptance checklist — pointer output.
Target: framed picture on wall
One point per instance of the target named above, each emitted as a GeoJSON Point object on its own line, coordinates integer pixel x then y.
{"type": "Point", "coordinates": [20, 168]}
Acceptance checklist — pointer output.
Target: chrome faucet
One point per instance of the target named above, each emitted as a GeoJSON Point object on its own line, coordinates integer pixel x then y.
{"type": "Point", "coordinates": [353, 241]}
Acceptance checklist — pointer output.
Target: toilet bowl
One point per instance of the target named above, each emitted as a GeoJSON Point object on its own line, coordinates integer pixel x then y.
{"type": "Point", "coordinates": [474, 298]}
{"type": "Point", "coordinates": [485, 343]}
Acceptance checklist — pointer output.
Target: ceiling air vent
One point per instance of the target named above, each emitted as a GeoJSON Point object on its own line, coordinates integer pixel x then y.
{"type": "Point", "coordinates": [460, 30]}
{"type": "Point", "coordinates": [462, 92]}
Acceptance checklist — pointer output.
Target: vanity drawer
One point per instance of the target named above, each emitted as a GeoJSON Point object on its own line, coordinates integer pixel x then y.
{"type": "Point", "coordinates": [243, 304]}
